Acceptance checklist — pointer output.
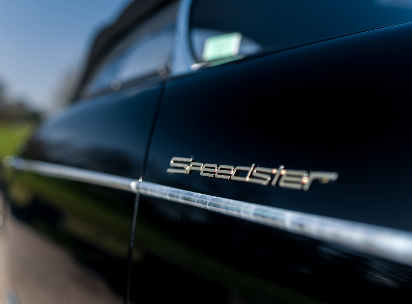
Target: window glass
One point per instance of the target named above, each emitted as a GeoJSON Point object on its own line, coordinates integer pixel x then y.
{"type": "Point", "coordinates": [145, 52]}
{"type": "Point", "coordinates": [277, 25]}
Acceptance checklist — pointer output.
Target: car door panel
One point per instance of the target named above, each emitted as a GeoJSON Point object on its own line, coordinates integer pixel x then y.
{"type": "Point", "coordinates": [97, 216]}
{"type": "Point", "coordinates": [299, 108]}
{"type": "Point", "coordinates": [81, 230]}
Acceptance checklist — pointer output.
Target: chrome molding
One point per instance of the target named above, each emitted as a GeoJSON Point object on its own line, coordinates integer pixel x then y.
{"type": "Point", "coordinates": [392, 244]}
{"type": "Point", "coordinates": [75, 174]}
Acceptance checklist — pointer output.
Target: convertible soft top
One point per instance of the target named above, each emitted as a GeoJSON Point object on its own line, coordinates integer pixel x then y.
{"type": "Point", "coordinates": [133, 14]}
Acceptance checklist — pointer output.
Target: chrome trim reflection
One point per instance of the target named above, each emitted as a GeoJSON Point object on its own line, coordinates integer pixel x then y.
{"type": "Point", "coordinates": [391, 244]}
{"type": "Point", "coordinates": [75, 174]}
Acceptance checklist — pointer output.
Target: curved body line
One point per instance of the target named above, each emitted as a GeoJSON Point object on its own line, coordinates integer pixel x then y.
{"type": "Point", "coordinates": [391, 244]}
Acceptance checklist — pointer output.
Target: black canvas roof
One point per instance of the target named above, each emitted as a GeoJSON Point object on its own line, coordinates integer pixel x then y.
{"type": "Point", "coordinates": [134, 13]}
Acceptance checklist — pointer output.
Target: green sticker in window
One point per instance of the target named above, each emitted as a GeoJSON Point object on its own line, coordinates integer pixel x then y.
{"type": "Point", "coordinates": [221, 46]}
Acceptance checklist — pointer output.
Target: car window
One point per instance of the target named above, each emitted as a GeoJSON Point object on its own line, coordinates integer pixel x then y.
{"type": "Point", "coordinates": [145, 52]}
{"type": "Point", "coordinates": [278, 25]}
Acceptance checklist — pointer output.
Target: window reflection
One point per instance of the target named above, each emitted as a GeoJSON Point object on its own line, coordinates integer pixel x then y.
{"type": "Point", "coordinates": [145, 52]}
{"type": "Point", "coordinates": [278, 25]}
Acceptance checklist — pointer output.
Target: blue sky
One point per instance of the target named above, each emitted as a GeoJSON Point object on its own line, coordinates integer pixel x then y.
{"type": "Point", "coordinates": [42, 40]}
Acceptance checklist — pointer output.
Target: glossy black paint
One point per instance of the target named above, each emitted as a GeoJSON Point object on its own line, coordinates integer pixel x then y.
{"type": "Point", "coordinates": [73, 246]}
{"type": "Point", "coordinates": [107, 134]}
{"type": "Point", "coordinates": [278, 25]}
{"type": "Point", "coordinates": [199, 255]}
{"type": "Point", "coordinates": [89, 224]}
{"type": "Point", "coordinates": [341, 105]}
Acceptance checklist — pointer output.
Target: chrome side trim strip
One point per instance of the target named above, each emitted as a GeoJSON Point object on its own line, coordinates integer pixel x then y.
{"type": "Point", "coordinates": [391, 244]}
{"type": "Point", "coordinates": [75, 174]}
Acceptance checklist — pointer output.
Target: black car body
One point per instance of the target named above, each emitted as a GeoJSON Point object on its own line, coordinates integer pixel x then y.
{"type": "Point", "coordinates": [278, 174]}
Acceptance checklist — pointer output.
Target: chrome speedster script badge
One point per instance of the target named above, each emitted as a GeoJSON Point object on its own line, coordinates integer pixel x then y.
{"type": "Point", "coordinates": [286, 178]}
